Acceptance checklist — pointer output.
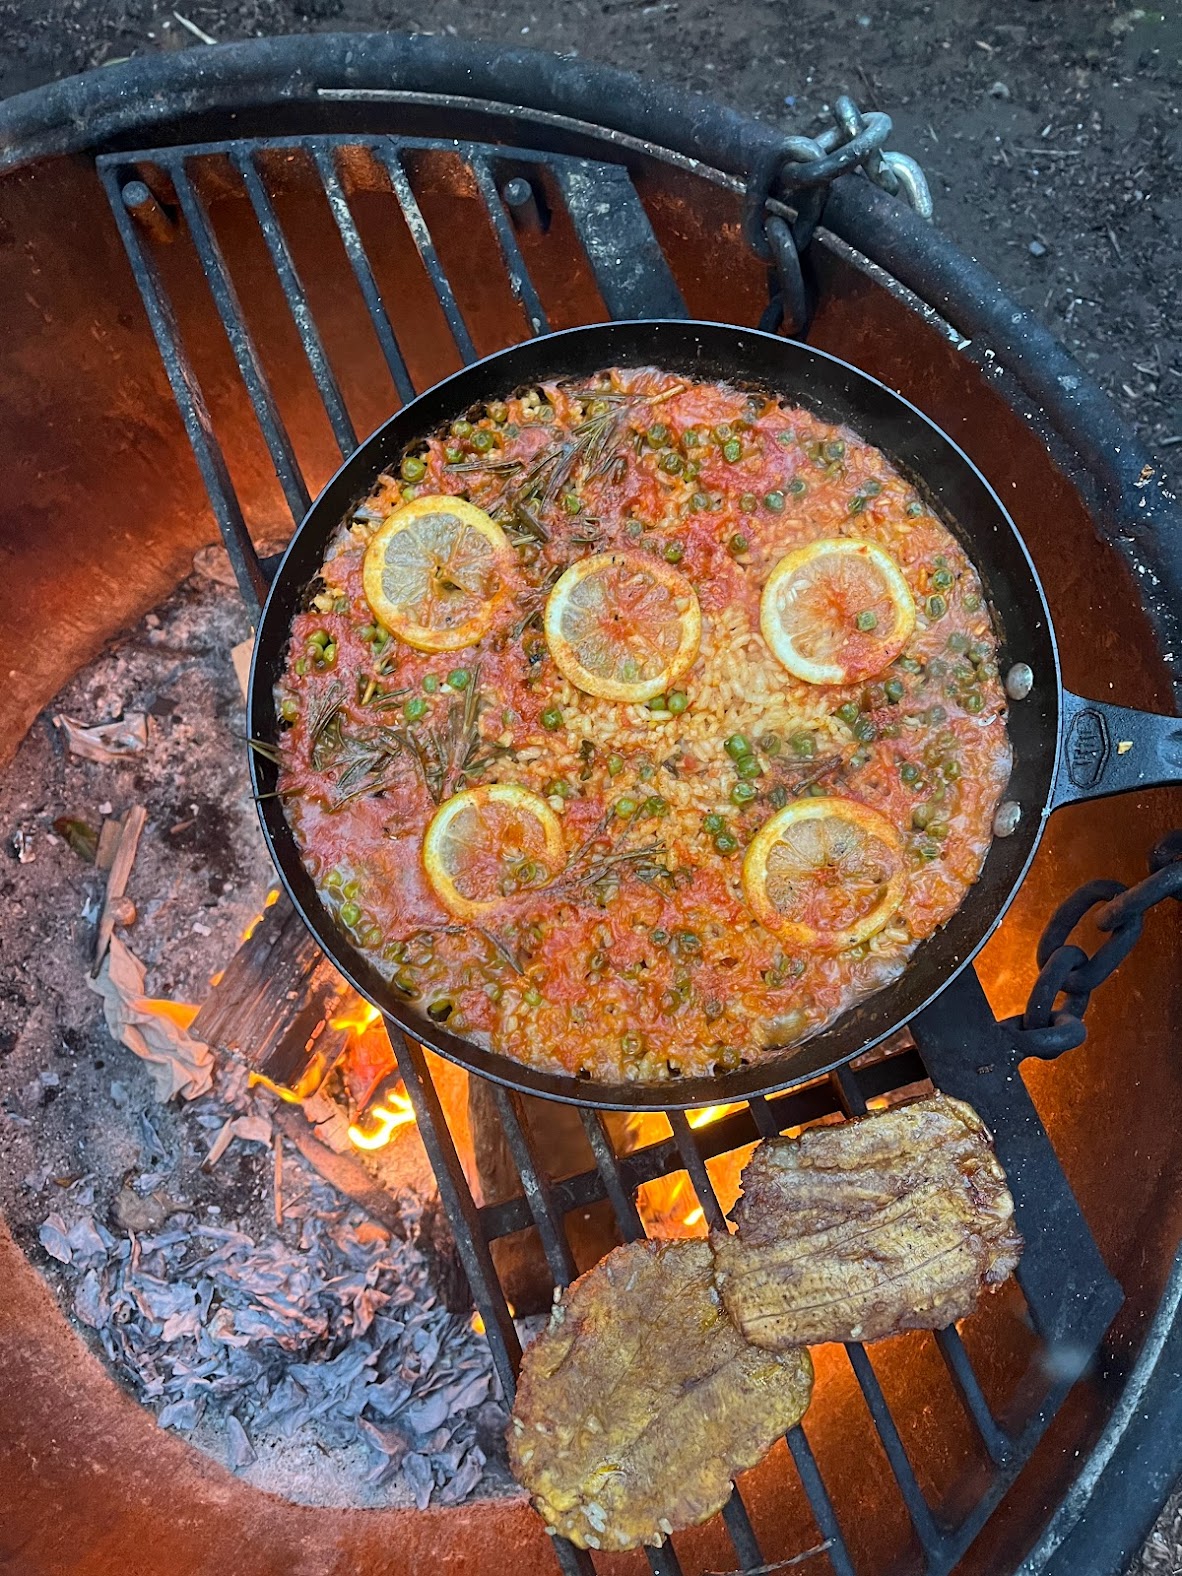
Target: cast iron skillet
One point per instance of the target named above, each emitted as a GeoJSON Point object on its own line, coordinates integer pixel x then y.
{"type": "Point", "coordinates": [1064, 748]}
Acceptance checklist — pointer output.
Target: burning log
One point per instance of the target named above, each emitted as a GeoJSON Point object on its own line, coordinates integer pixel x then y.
{"type": "Point", "coordinates": [274, 1006]}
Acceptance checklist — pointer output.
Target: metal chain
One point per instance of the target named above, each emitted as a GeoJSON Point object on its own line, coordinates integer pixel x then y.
{"type": "Point", "coordinates": [1067, 970]}
{"type": "Point", "coordinates": [807, 166]}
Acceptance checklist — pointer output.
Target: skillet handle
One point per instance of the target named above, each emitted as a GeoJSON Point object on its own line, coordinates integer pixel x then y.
{"type": "Point", "coordinates": [1113, 749]}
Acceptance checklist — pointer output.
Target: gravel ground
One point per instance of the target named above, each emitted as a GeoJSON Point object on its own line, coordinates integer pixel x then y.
{"type": "Point", "coordinates": [1051, 136]}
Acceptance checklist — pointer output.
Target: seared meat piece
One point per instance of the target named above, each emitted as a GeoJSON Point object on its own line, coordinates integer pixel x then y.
{"type": "Point", "coordinates": [849, 1233]}
{"type": "Point", "coordinates": [640, 1401]}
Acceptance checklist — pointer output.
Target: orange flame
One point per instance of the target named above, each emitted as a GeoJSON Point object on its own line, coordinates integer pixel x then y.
{"type": "Point", "coordinates": [388, 1117]}
{"type": "Point", "coordinates": [356, 1020]}
{"type": "Point", "coordinates": [269, 901]}
{"type": "Point", "coordinates": [668, 1206]}
{"type": "Point", "coordinates": [181, 1013]}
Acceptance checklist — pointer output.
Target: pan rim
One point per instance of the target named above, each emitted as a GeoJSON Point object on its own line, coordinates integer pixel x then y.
{"type": "Point", "coordinates": [770, 1075]}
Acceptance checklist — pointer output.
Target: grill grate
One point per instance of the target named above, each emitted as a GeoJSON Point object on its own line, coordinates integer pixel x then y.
{"type": "Point", "coordinates": [164, 194]}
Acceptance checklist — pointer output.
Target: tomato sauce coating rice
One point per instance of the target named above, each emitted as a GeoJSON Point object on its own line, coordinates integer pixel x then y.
{"type": "Point", "coordinates": [625, 930]}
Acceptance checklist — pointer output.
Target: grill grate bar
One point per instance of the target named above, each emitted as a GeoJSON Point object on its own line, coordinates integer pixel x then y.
{"type": "Point", "coordinates": [186, 390]}
{"type": "Point", "coordinates": [608, 1166]}
{"type": "Point", "coordinates": [536, 1184]}
{"type": "Point", "coordinates": [996, 1441]}
{"type": "Point", "coordinates": [297, 301]}
{"type": "Point", "coordinates": [930, 1536]}
{"type": "Point", "coordinates": [818, 1497]}
{"type": "Point", "coordinates": [849, 1092]}
{"type": "Point", "coordinates": [229, 309]}
{"type": "Point", "coordinates": [686, 1140]}
{"type": "Point", "coordinates": [421, 235]}
{"type": "Point", "coordinates": [520, 282]}
{"type": "Point", "coordinates": [362, 272]}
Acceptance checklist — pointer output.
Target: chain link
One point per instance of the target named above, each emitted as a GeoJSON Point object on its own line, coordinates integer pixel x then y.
{"type": "Point", "coordinates": [806, 166]}
{"type": "Point", "coordinates": [1067, 971]}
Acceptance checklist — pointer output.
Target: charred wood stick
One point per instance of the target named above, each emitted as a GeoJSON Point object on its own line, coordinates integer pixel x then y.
{"type": "Point", "coordinates": [129, 842]}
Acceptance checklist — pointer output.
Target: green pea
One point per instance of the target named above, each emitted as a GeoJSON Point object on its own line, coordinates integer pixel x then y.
{"type": "Point", "coordinates": [558, 787]}
{"type": "Point", "coordinates": [936, 606]}
{"type": "Point", "coordinates": [319, 638]}
{"type": "Point", "coordinates": [737, 545]}
{"type": "Point", "coordinates": [950, 766]}
{"type": "Point", "coordinates": [723, 432]}
{"type": "Point", "coordinates": [942, 579]}
{"type": "Point", "coordinates": [787, 437]}
{"type": "Point", "coordinates": [977, 654]}
{"type": "Point", "coordinates": [797, 486]}
{"type": "Point", "coordinates": [452, 455]}
{"type": "Point", "coordinates": [834, 449]}
{"type": "Point", "coordinates": [775, 502]}
{"type": "Point", "coordinates": [440, 1009]}
{"type": "Point", "coordinates": [340, 604]}
{"type": "Point", "coordinates": [335, 880]}
{"type": "Point", "coordinates": [972, 602]}
{"type": "Point", "coordinates": [678, 701]}
{"type": "Point", "coordinates": [691, 438]}
{"type": "Point", "coordinates": [725, 843]}
{"type": "Point", "coordinates": [329, 654]}
{"type": "Point", "coordinates": [778, 797]}
{"type": "Point", "coordinates": [736, 746]}
{"type": "Point", "coordinates": [552, 718]}
{"type": "Point", "coordinates": [430, 683]}
{"type": "Point", "coordinates": [483, 440]}
{"type": "Point", "coordinates": [748, 503]}
{"type": "Point", "coordinates": [498, 411]}
{"type": "Point", "coordinates": [658, 703]}
{"type": "Point", "coordinates": [301, 666]}
{"type": "Point", "coordinates": [414, 708]}
{"type": "Point", "coordinates": [289, 710]}
{"type": "Point", "coordinates": [743, 793]}
{"type": "Point", "coordinates": [815, 791]}
{"type": "Point", "coordinates": [655, 805]}
{"type": "Point", "coordinates": [937, 828]}
{"type": "Point", "coordinates": [973, 702]}
{"type": "Point", "coordinates": [367, 632]}
{"type": "Point", "coordinates": [871, 487]}
{"type": "Point", "coordinates": [350, 914]}
{"type": "Point", "coordinates": [848, 713]}
{"type": "Point", "coordinates": [893, 689]}
{"type": "Point", "coordinates": [714, 823]}
{"type": "Point", "coordinates": [688, 941]}
{"type": "Point", "coordinates": [909, 665]}
{"type": "Point", "coordinates": [859, 758]}
{"type": "Point", "coordinates": [615, 765]}
{"type": "Point", "coordinates": [732, 451]}
{"type": "Point", "coordinates": [936, 715]}
{"type": "Point", "coordinates": [571, 503]}
{"type": "Point", "coordinates": [958, 641]}
{"type": "Point", "coordinates": [412, 469]}
{"type": "Point", "coordinates": [461, 428]}
{"type": "Point", "coordinates": [700, 501]}
{"type": "Point", "coordinates": [673, 553]}
{"type": "Point", "coordinates": [626, 806]}
{"type": "Point", "coordinates": [692, 468]}
{"type": "Point", "coordinates": [770, 743]}
{"type": "Point", "coordinates": [630, 1044]}
{"type": "Point", "coordinates": [915, 508]}
{"type": "Point", "coordinates": [459, 679]}
{"type": "Point", "coordinates": [909, 772]}
{"type": "Point", "coordinates": [671, 462]}
{"type": "Point", "coordinates": [748, 767]}
{"type": "Point", "coordinates": [657, 435]}
{"type": "Point", "coordinates": [867, 620]}
{"type": "Point", "coordinates": [805, 745]}
{"type": "Point", "coordinates": [865, 730]}
{"type": "Point", "coordinates": [921, 815]}
{"type": "Point", "coordinates": [531, 996]}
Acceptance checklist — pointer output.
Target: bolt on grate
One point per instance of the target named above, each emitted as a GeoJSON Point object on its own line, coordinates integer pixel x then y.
{"type": "Point", "coordinates": [159, 197]}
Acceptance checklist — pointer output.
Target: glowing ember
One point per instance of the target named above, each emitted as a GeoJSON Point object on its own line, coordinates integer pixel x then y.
{"type": "Point", "coordinates": [397, 1113]}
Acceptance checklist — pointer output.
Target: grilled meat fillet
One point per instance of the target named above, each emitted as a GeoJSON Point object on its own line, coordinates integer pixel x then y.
{"type": "Point", "coordinates": [640, 1401]}
{"type": "Point", "coordinates": [893, 1222]}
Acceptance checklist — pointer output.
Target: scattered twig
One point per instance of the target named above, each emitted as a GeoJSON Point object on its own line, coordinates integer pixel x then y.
{"type": "Point", "coordinates": [777, 1565]}
{"type": "Point", "coordinates": [198, 33]}
{"type": "Point", "coordinates": [277, 1176]}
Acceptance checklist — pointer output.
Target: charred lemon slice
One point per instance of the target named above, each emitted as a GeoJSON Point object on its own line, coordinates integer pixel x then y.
{"type": "Point", "coordinates": [623, 626]}
{"type": "Point", "coordinates": [824, 873]}
{"type": "Point", "coordinates": [487, 844]}
{"type": "Point", "coordinates": [435, 571]}
{"type": "Point", "coordinates": [836, 612]}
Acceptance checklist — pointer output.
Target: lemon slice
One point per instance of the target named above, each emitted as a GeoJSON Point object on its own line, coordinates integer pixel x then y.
{"type": "Point", "coordinates": [836, 611]}
{"type": "Point", "coordinates": [435, 571]}
{"type": "Point", "coordinates": [487, 844]}
{"type": "Point", "coordinates": [824, 873]}
{"type": "Point", "coordinates": [623, 626]}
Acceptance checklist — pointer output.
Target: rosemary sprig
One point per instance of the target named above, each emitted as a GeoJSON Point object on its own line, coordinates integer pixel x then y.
{"type": "Point", "coordinates": [493, 467]}
{"type": "Point", "coordinates": [501, 947]}
{"type": "Point", "coordinates": [448, 751]}
{"type": "Point", "coordinates": [269, 752]}
{"type": "Point", "coordinates": [325, 720]}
